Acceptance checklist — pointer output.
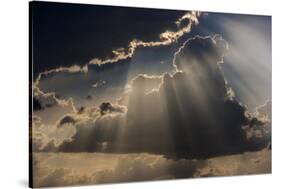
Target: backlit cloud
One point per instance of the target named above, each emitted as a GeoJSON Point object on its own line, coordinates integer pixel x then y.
{"type": "Point", "coordinates": [192, 112]}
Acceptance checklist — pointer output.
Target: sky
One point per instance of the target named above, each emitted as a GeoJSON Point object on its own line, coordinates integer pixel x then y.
{"type": "Point", "coordinates": [180, 87]}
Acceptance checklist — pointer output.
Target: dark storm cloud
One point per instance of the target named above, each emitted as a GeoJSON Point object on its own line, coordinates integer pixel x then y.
{"type": "Point", "coordinates": [191, 114]}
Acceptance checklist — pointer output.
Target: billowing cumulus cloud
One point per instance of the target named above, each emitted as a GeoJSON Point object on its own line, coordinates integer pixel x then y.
{"type": "Point", "coordinates": [190, 113]}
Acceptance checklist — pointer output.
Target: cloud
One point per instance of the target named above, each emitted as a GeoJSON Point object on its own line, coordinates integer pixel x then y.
{"type": "Point", "coordinates": [192, 110]}
{"type": "Point", "coordinates": [94, 135]}
{"type": "Point", "coordinates": [98, 168]}
{"type": "Point", "coordinates": [253, 65]}
{"type": "Point", "coordinates": [43, 100]}
{"type": "Point", "coordinates": [265, 111]}
{"type": "Point", "coordinates": [84, 41]}
{"type": "Point", "coordinates": [45, 138]}
{"type": "Point", "coordinates": [191, 113]}
{"type": "Point", "coordinates": [107, 107]}
{"type": "Point", "coordinates": [166, 38]}
{"type": "Point", "coordinates": [108, 168]}
{"type": "Point", "coordinates": [260, 126]}
{"type": "Point", "coordinates": [242, 164]}
{"type": "Point", "coordinates": [46, 129]}
{"type": "Point", "coordinates": [188, 120]}
{"type": "Point", "coordinates": [98, 84]}
{"type": "Point", "coordinates": [66, 120]}
{"type": "Point", "coordinates": [149, 83]}
{"type": "Point", "coordinates": [87, 129]}
{"type": "Point", "coordinates": [145, 167]}
{"type": "Point", "coordinates": [71, 69]}
{"type": "Point", "coordinates": [200, 51]}
{"type": "Point", "coordinates": [120, 55]}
